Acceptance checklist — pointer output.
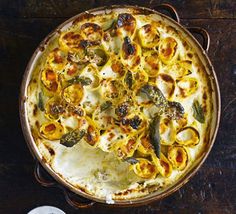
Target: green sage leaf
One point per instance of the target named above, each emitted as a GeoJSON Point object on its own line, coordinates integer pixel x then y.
{"type": "Point", "coordinates": [71, 138]}
{"type": "Point", "coordinates": [154, 135]}
{"type": "Point", "coordinates": [80, 79]}
{"type": "Point", "coordinates": [105, 106]}
{"type": "Point", "coordinates": [198, 112]}
{"type": "Point", "coordinates": [40, 101]}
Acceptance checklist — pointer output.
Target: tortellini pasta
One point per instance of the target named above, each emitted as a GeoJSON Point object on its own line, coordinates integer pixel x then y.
{"type": "Point", "coordinates": [166, 84]}
{"type": "Point", "coordinates": [163, 165]}
{"type": "Point", "coordinates": [52, 130]}
{"type": "Point", "coordinates": [73, 94]}
{"type": "Point", "coordinates": [125, 148]}
{"type": "Point", "coordinates": [50, 80]}
{"type": "Point", "coordinates": [71, 41]}
{"type": "Point", "coordinates": [57, 59]}
{"type": "Point", "coordinates": [188, 136]}
{"type": "Point", "coordinates": [167, 131]}
{"type": "Point", "coordinates": [130, 54]}
{"type": "Point", "coordinates": [126, 25]}
{"type": "Point", "coordinates": [168, 49]}
{"type": "Point", "coordinates": [149, 36]}
{"type": "Point", "coordinates": [91, 72]}
{"type": "Point", "coordinates": [91, 32]}
{"type": "Point", "coordinates": [54, 107]}
{"type": "Point", "coordinates": [145, 169]}
{"type": "Point", "coordinates": [178, 156]}
{"type": "Point", "coordinates": [187, 86]}
{"type": "Point", "coordinates": [145, 147]}
{"type": "Point", "coordinates": [152, 64]}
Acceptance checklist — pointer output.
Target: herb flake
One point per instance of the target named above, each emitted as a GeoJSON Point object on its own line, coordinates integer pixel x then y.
{"type": "Point", "coordinates": [80, 79]}
{"type": "Point", "coordinates": [105, 106]}
{"type": "Point", "coordinates": [135, 122]}
{"type": "Point", "coordinates": [122, 109]}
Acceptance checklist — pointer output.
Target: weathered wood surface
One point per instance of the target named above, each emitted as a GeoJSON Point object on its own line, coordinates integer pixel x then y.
{"type": "Point", "coordinates": [23, 24]}
{"type": "Point", "coordinates": [67, 8]}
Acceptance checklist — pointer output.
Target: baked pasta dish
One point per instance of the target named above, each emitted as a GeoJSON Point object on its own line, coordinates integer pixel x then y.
{"type": "Point", "coordinates": [119, 105]}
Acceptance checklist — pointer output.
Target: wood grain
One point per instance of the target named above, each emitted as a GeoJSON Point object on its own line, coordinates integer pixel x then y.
{"type": "Point", "coordinates": [66, 8]}
{"type": "Point", "coordinates": [23, 24]}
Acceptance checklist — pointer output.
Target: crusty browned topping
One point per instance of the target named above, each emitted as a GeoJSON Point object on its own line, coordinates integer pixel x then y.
{"type": "Point", "coordinates": [122, 109]}
{"type": "Point", "coordinates": [127, 21]}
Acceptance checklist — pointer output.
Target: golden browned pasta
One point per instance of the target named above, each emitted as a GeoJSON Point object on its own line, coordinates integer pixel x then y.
{"type": "Point", "coordinates": [151, 64]}
{"type": "Point", "coordinates": [52, 130]}
{"type": "Point", "coordinates": [187, 86]}
{"type": "Point", "coordinates": [163, 165]}
{"type": "Point", "coordinates": [149, 36]}
{"type": "Point", "coordinates": [50, 80]}
{"type": "Point", "coordinates": [178, 156]}
{"type": "Point", "coordinates": [130, 54]}
{"type": "Point", "coordinates": [188, 136]}
{"type": "Point", "coordinates": [145, 169]}
{"type": "Point", "coordinates": [54, 107]}
{"type": "Point", "coordinates": [73, 94]}
{"type": "Point", "coordinates": [126, 25]}
{"type": "Point", "coordinates": [71, 41]}
{"type": "Point", "coordinates": [167, 49]}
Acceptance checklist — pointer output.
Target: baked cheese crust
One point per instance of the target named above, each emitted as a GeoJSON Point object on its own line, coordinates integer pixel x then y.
{"type": "Point", "coordinates": [119, 105]}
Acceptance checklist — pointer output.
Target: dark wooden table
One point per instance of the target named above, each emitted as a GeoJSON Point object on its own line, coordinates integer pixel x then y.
{"type": "Point", "coordinates": [23, 24]}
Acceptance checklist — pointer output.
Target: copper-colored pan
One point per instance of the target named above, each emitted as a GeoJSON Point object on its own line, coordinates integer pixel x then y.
{"type": "Point", "coordinates": [77, 198]}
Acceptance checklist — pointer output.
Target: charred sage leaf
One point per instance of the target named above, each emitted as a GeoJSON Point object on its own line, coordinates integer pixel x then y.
{"type": "Point", "coordinates": [155, 94]}
{"type": "Point", "coordinates": [125, 121]}
{"type": "Point", "coordinates": [80, 79]}
{"type": "Point", "coordinates": [85, 44]}
{"type": "Point", "coordinates": [105, 106]}
{"type": "Point", "coordinates": [154, 135]}
{"type": "Point", "coordinates": [71, 138]}
{"type": "Point", "coordinates": [129, 79]}
{"type": "Point", "coordinates": [173, 110]}
{"type": "Point", "coordinates": [131, 160]}
{"type": "Point", "coordinates": [129, 49]}
{"type": "Point", "coordinates": [125, 19]}
{"type": "Point", "coordinates": [56, 109]}
{"type": "Point", "coordinates": [135, 122]}
{"type": "Point", "coordinates": [122, 109]}
{"type": "Point", "coordinates": [40, 102]}
{"type": "Point", "coordinates": [198, 112]}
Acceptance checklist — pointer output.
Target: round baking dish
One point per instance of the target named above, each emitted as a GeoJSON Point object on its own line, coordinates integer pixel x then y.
{"type": "Point", "coordinates": [76, 197]}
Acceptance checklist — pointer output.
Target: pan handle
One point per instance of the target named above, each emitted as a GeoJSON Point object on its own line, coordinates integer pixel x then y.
{"type": "Point", "coordinates": [204, 34]}
{"type": "Point", "coordinates": [76, 201]}
{"type": "Point", "coordinates": [168, 8]}
{"type": "Point", "coordinates": [42, 176]}
{"type": "Point", "coordinates": [45, 180]}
